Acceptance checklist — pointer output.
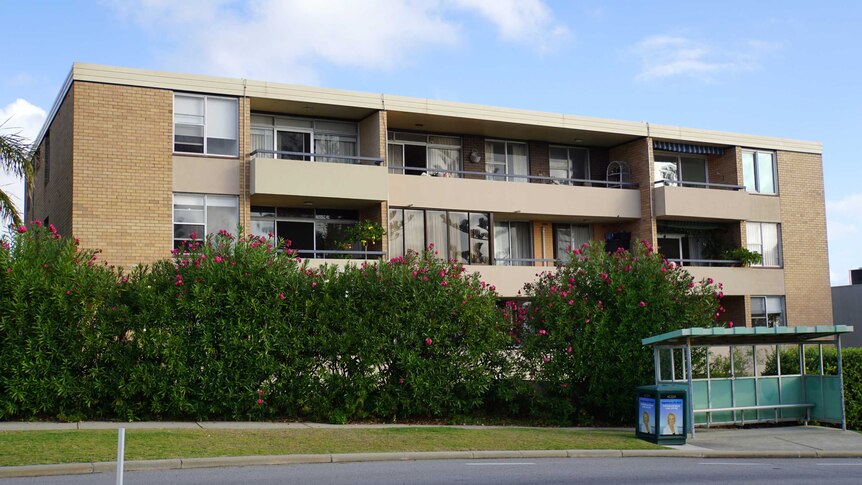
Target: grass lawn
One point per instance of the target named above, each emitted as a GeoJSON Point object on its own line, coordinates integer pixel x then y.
{"type": "Point", "coordinates": [40, 447]}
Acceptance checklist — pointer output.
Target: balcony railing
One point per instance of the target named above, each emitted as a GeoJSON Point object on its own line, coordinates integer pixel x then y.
{"type": "Point", "coordinates": [316, 157]}
{"type": "Point", "coordinates": [338, 254]}
{"type": "Point", "coordinates": [699, 185]}
{"type": "Point", "coordinates": [525, 261]}
{"type": "Point", "coordinates": [726, 263]}
{"type": "Point", "coordinates": [441, 172]}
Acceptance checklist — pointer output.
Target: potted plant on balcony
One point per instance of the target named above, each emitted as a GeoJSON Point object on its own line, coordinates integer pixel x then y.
{"type": "Point", "coordinates": [743, 255]}
{"type": "Point", "coordinates": [366, 232]}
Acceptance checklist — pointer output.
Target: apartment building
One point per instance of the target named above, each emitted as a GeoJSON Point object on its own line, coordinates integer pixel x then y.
{"type": "Point", "coordinates": [133, 161]}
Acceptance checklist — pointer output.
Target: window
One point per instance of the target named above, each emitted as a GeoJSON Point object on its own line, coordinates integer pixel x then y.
{"type": "Point", "coordinates": [767, 311]}
{"type": "Point", "coordinates": [513, 243]}
{"type": "Point", "coordinates": [568, 237]}
{"type": "Point", "coordinates": [422, 151]}
{"type": "Point", "coordinates": [671, 168]}
{"type": "Point", "coordinates": [46, 157]}
{"type": "Point", "coordinates": [504, 158]}
{"type": "Point", "coordinates": [765, 238]}
{"type": "Point", "coordinates": [202, 214]}
{"type": "Point", "coordinates": [569, 163]}
{"type": "Point", "coordinates": [759, 171]}
{"type": "Point", "coordinates": [205, 124]}
{"type": "Point", "coordinates": [462, 236]}
{"type": "Point", "coordinates": [305, 138]}
{"type": "Point", "coordinates": [310, 231]}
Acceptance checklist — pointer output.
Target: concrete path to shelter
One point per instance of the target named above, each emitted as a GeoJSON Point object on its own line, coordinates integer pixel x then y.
{"type": "Point", "coordinates": [783, 438]}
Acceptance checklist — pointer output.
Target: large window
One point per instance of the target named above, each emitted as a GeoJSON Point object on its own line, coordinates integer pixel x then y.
{"type": "Point", "coordinates": [513, 244]}
{"type": "Point", "coordinates": [462, 236]}
{"type": "Point", "coordinates": [673, 168]}
{"type": "Point", "coordinates": [767, 311]}
{"type": "Point", "coordinates": [417, 152]}
{"type": "Point", "coordinates": [205, 124]}
{"type": "Point", "coordinates": [297, 138]}
{"type": "Point", "coordinates": [312, 232]}
{"type": "Point", "coordinates": [568, 237]}
{"type": "Point", "coordinates": [765, 238]}
{"type": "Point", "coordinates": [506, 160]}
{"type": "Point", "coordinates": [759, 171]}
{"type": "Point", "coordinates": [569, 163]}
{"type": "Point", "coordinates": [202, 214]}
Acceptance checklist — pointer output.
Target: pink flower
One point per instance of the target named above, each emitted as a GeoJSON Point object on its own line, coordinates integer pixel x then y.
{"type": "Point", "coordinates": [218, 259]}
{"type": "Point", "coordinates": [569, 349]}
{"type": "Point", "coordinates": [542, 332]}
{"type": "Point", "coordinates": [281, 296]}
{"type": "Point", "coordinates": [493, 288]}
{"type": "Point", "coordinates": [730, 324]}
{"type": "Point", "coordinates": [22, 229]}
{"type": "Point", "coordinates": [53, 229]}
{"type": "Point", "coordinates": [642, 304]}
{"type": "Point", "coordinates": [709, 281]}
{"type": "Point", "coordinates": [260, 401]}
{"type": "Point", "coordinates": [313, 284]}
{"type": "Point", "coordinates": [124, 279]}
{"type": "Point", "coordinates": [546, 359]}
{"type": "Point", "coordinates": [571, 302]}
{"type": "Point", "coordinates": [444, 283]}
{"type": "Point", "coordinates": [428, 341]}
{"type": "Point", "coordinates": [193, 236]}
{"type": "Point", "coordinates": [401, 381]}
{"type": "Point", "coordinates": [68, 292]}
{"type": "Point", "coordinates": [260, 392]}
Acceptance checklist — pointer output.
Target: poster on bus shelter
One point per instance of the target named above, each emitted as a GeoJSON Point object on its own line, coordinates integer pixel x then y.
{"type": "Point", "coordinates": [671, 416]}
{"type": "Point", "coordinates": [646, 411]}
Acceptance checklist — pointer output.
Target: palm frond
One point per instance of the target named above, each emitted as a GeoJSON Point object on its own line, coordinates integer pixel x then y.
{"type": "Point", "coordinates": [15, 155]}
{"type": "Point", "coordinates": [8, 211]}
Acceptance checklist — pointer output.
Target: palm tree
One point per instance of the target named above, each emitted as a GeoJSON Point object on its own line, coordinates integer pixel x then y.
{"type": "Point", "coordinates": [15, 159]}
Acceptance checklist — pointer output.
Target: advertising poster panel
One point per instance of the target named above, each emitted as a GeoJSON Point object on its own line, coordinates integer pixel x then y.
{"type": "Point", "coordinates": [671, 416]}
{"type": "Point", "coordinates": [646, 413]}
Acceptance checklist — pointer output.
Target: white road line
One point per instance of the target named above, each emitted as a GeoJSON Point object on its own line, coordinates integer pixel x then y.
{"type": "Point", "coordinates": [732, 463]}
{"type": "Point", "coordinates": [840, 464]}
{"type": "Point", "coordinates": [497, 464]}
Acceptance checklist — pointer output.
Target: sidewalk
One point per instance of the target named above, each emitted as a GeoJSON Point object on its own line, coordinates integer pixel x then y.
{"type": "Point", "coordinates": [780, 442]}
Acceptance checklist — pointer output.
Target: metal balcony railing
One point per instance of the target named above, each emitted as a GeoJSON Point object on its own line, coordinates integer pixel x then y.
{"type": "Point", "coordinates": [699, 185]}
{"type": "Point", "coordinates": [338, 254]}
{"type": "Point", "coordinates": [440, 172]}
{"type": "Point", "coordinates": [316, 157]}
{"type": "Point", "coordinates": [726, 263]}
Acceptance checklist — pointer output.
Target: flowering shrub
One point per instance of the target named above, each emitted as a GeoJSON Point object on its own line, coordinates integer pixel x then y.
{"type": "Point", "coordinates": [581, 334]}
{"type": "Point", "coordinates": [56, 327]}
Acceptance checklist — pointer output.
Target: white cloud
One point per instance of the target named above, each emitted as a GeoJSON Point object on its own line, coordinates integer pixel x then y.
{"type": "Point", "coordinates": [25, 119]}
{"type": "Point", "coordinates": [664, 56]}
{"type": "Point", "coordinates": [286, 40]}
{"type": "Point", "coordinates": [528, 21]}
{"type": "Point", "coordinates": [844, 229]}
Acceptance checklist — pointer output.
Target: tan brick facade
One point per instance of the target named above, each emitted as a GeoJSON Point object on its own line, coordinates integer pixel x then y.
{"type": "Point", "coordinates": [638, 155]}
{"type": "Point", "coordinates": [803, 235]}
{"type": "Point", "coordinates": [122, 200]}
{"type": "Point", "coordinates": [52, 199]}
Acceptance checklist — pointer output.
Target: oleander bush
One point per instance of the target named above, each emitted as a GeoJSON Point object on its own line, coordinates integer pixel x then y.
{"type": "Point", "coordinates": [581, 333]}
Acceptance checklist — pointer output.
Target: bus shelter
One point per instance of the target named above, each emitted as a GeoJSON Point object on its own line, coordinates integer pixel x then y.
{"type": "Point", "coordinates": [760, 374]}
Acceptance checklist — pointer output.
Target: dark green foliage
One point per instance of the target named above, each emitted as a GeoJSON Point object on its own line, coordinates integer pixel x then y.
{"type": "Point", "coordinates": [582, 333]}
{"type": "Point", "coordinates": [56, 327]}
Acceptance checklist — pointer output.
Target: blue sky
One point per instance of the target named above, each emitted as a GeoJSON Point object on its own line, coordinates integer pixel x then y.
{"type": "Point", "coordinates": [777, 68]}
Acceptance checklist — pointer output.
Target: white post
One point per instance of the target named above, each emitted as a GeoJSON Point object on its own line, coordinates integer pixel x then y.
{"type": "Point", "coordinates": [121, 445]}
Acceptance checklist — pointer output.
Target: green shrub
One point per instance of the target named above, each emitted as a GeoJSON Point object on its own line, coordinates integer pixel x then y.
{"type": "Point", "coordinates": [582, 332]}
{"type": "Point", "coordinates": [57, 331]}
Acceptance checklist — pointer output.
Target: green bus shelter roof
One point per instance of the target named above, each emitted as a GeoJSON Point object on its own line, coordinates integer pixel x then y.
{"type": "Point", "coordinates": [746, 335]}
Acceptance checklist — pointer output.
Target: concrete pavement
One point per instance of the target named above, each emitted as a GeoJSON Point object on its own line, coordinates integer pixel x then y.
{"type": "Point", "coordinates": [778, 442]}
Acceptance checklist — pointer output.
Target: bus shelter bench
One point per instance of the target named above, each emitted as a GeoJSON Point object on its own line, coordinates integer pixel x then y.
{"type": "Point", "coordinates": [774, 407]}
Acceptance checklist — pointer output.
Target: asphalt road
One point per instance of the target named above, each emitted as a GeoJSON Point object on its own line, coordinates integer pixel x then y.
{"type": "Point", "coordinates": [660, 471]}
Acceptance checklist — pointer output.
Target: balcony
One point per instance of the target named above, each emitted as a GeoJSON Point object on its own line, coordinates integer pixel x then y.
{"type": "Point", "coordinates": [481, 191]}
{"type": "Point", "coordinates": [697, 200]}
{"type": "Point", "coordinates": [317, 175]}
{"type": "Point", "coordinates": [742, 281]}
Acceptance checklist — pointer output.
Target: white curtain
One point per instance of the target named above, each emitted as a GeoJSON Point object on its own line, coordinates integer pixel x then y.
{"type": "Point", "coordinates": [437, 231]}
{"type": "Point", "coordinates": [518, 163]}
{"type": "Point", "coordinates": [262, 139]}
{"type": "Point", "coordinates": [444, 159]}
{"type": "Point", "coordinates": [414, 230]}
{"type": "Point", "coordinates": [521, 240]}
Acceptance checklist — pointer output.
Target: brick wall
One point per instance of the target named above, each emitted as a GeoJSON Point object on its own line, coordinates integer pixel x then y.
{"type": "Point", "coordinates": [599, 163]}
{"type": "Point", "coordinates": [539, 159]}
{"type": "Point", "coordinates": [803, 234]}
{"type": "Point", "coordinates": [122, 200]}
{"type": "Point", "coordinates": [471, 143]}
{"type": "Point", "coordinates": [540, 228]}
{"type": "Point", "coordinates": [54, 199]}
{"type": "Point", "coordinates": [638, 155]}
{"type": "Point", "coordinates": [725, 169]}
{"type": "Point", "coordinates": [244, 107]}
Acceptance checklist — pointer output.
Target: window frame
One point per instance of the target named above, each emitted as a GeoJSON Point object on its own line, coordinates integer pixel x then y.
{"type": "Point", "coordinates": [569, 226]}
{"type": "Point", "coordinates": [507, 176]}
{"type": "Point", "coordinates": [680, 182]}
{"type": "Point", "coordinates": [313, 131]}
{"type": "Point", "coordinates": [530, 251]}
{"type": "Point", "coordinates": [393, 141]}
{"type": "Point", "coordinates": [783, 313]}
{"type": "Point", "coordinates": [312, 221]}
{"type": "Point", "coordinates": [205, 223]}
{"type": "Point", "coordinates": [568, 163]}
{"type": "Point", "coordinates": [205, 98]}
{"type": "Point", "coordinates": [756, 169]}
{"type": "Point", "coordinates": [444, 253]}
{"type": "Point", "coordinates": [780, 248]}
